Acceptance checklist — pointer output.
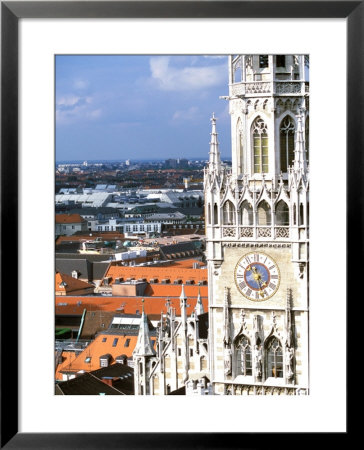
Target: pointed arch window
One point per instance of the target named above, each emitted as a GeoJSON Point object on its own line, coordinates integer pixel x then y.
{"type": "Point", "coordinates": [264, 214]}
{"type": "Point", "coordinates": [246, 214]}
{"type": "Point", "coordinates": [286, 133]}
{"type": "Point", "coordinates": [209, 214]}
{"type": "Point", "coordinates": [244, 357]}
{"type": "Point", "coordinates": [307, 136]}
{"type": "Point", "coordinates": [274, 358]}
{"type": "Point", "coordinates": [260, 146]}
{"type": "Point", "coordinates": [228, 212]}
{"type": "Point", "coordinates": [301, 215]}
{"type": "Point", "coordinates": [216, 217]}
{"type": "Point", "coordinates": [282, 213]}
{"type": "Point", "coordinates": [294, 214]}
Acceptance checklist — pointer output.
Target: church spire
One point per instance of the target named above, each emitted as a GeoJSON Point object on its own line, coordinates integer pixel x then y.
{"type": "Point", "coordinates": [214, 155]}
{"type": "Point", "coordinates": [144, 346]}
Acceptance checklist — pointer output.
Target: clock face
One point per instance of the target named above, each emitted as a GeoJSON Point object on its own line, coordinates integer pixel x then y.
{"type": "Point", "coordinates": [257, 276]}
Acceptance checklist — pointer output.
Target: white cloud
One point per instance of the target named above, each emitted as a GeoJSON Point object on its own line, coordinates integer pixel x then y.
{"type": "Point", "coordinates": [80, 84]}
{"type": "Point", "coordinates": [71, 107]}
{"type": "Point", "coordinates": [187, 114]}
{"type": "Point", "coordinates": [186, 78]}
{"type": "Point", "coordinates": [69, 100]}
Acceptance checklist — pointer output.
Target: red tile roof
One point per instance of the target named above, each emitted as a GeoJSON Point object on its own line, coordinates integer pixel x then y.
{"type": "Point", "coordinates": [65, 284]}
{"type": "Point", "coordinates": [67, 358]}
{"type": "Point", "coordinates": [80, 237]}
{"type": "Point", "coordinates": [171, 273]}
{"type": "Point", "coordinates": [129, 305]}
{"type": "Point", "coordinates": [99, 348]}
{"type": "Point", "coordinates": [69, 218]}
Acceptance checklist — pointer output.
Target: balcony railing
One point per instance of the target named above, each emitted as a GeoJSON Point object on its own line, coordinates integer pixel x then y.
{"type": "Point", "coordinates": [290, 87]}
{"type": "Point", "coordinates": [250, 389]}
{"type": "Point", "coordinates": [253, 232]}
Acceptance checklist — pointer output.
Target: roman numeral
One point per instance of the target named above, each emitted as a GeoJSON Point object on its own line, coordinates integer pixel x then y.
{"type": "Point", "coordinates": [274, 277]}
{"type": "Point", "coordinates": [272, 286]}
{"type": "Point", "coordinates": [247, 259]}
{"type": "Point", "coordinates": [271, 267]}
{"type": "Point", "coordinates": [249, 292]}
{"type": "Point", "coordinates": [257, 295]}
{"type": "Point", "coordinates": [256, 258]}
{"type": "Point", "coordinates": [242, 285]}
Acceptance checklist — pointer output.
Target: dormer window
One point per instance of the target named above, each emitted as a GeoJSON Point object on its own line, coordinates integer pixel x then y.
{"type": "Point", "coordinates": [107, 281]}
{"type": "Point", "coordinates": [74, 274]}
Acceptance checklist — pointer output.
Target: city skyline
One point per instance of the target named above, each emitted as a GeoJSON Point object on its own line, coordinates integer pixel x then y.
{"type": "Point", "coordinates": [141, 107]}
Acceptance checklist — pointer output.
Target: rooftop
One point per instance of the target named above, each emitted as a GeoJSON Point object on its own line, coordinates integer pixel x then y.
{"type": "Point", "coordinates": [69, 218]}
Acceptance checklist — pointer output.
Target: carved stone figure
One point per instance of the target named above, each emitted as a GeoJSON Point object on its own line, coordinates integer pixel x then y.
{"type": "Point", "coordinates": [289, 362]}
{"type": "Point", "coordinates": [227, 361]}
{"type": "Point", "coordinates": [258, 361]}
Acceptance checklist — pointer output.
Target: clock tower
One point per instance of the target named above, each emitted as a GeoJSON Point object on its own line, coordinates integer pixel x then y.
{"type": "Point", "coordinates": [257, 237]}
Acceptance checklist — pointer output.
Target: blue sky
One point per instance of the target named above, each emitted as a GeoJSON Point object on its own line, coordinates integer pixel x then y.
{"type": "Point", "coordinates": [140, 107]}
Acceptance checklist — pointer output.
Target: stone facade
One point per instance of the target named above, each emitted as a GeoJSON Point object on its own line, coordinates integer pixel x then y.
{"type": "Point", "coordinates": [258, 212]}
{"type": "Point", "coordinates": [180, 358]}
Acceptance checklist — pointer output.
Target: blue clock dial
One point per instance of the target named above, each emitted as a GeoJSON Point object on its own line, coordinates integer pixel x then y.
{"type": "Point", "coordinates": [257, 276]}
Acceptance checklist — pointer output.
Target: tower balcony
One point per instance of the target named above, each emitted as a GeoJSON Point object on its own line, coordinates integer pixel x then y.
{"type": "Point", "coordinates": [252, 232]}
{"type": "Point", "coordinates": [251, 389]}
{"type": "Point", "coordinates": [263, 88]}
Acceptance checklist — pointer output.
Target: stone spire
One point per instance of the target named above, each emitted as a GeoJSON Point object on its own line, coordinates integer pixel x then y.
{"type": "Point", "coordinates": [144, 346]}
{"type": "Point", "coordinates": [199, 306]}
{"type": "Point", "coordinates": [183, 305]}
{"type": "Point", "coordinates": [214, 155]}
{"type": "Point", "coordinates": [300, 163]}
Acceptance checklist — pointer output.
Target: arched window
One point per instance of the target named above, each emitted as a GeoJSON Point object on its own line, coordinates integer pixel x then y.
{"type": "Point", "coordinates": [244, 357]}
{"type": "Point", "coordinates": [260, 146]}
{"type": "Point", "coordinates": [209, 214]}
{"type": "Point", "coordinates": [228, 213]}
{"type": "Point", "coordinates": [274, 358]}
{"type": "Point", "coordinates": [294, 214]}
{"type": "Point", "coordinates": [282, 213]}
{"type": "Point", "coordinates": [307, 136]}
{"type": "Point", "coordinates": [286, 133]}
{"type": "Point", "coordinates": [246, 214]}
{"type": "Point", "coordinates": [237, 71]}
{"type": "Point", "coordinates": [264, 214]}
{"type": "Point", "coordinates": [301, 216]}
{"type": "Point", "coordinates": [216, 219]}
{"type": "Point", "coordinates": [240, 145]}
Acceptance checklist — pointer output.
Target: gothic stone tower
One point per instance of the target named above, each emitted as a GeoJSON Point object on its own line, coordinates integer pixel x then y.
{"type": "Point", "coordinates": [257, 231]}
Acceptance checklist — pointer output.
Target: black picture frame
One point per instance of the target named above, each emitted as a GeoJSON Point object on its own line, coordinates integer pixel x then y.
{"type": "Point", "coordinates": [11, 12]}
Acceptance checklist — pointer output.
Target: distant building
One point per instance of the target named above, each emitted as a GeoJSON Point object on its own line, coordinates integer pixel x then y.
{"type": "Point", "coordinates": [116, 379]}
{"type": "Point", "coordinates": [68, 224]}
{"type": "Point", "coordinates": [68, 285]}
{"type": "Point", "coordinates": [170, 163]}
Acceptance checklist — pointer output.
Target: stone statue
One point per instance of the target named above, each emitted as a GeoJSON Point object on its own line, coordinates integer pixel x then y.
{"type": "Point", "coordinates": [258, 361]}
{"type": "Point", "coordinates": [289, 362]}
{"type": "Point", "coordinates": [227, 361]}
